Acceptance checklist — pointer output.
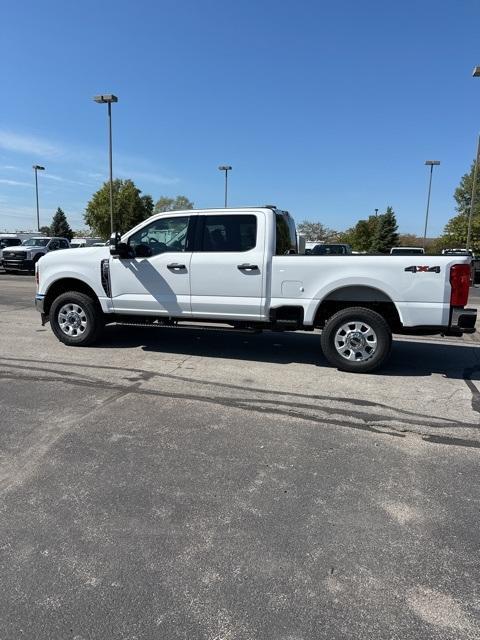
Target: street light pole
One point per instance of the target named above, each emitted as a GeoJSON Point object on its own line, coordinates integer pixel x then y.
{"type": "Point", "coordinates": [475, 74]}
{"type": "Point", "coordinates": [376, 212]}
{"type": "Point", "coordinates": [226, 168]}
{"type": "Point", "coordinates": [37, 167]}
{"type": "Point", "coordinates": [431, 164]}
{"type": "Point", "coordinates": [108, 99]}
{"type": "Point", "coordinates": [472, 199]}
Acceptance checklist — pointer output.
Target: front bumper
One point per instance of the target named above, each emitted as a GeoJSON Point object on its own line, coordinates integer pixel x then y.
{"type": "Point", "coordinates": [18, 264]}
{"type": "Point", "coordinates": [40, 307]}
{"type": "Point", "coordinates": [39, 302]}
{"type": "Point", "coordinates": [462, 321]}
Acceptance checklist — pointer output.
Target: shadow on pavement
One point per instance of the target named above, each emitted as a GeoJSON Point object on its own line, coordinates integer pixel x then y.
{"type": "Point", "coordinates": [409, 358]}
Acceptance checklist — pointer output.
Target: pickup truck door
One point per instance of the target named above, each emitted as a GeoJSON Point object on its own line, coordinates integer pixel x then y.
{"type": "Point", "coordinates": [228, 266]}
{"type": "Point", "coordinates": [157, 279]}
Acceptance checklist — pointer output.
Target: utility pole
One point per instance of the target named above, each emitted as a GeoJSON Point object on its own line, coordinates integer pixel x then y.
{"type": "Point", "coordinates": [226, 168]}
{"type": "Point", "coordinates": [36, 168]}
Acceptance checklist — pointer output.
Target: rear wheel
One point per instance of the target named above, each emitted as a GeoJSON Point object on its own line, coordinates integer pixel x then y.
{"type": "Point", "coordinates": [76, 319]}
{"type": "Point", "coordinates": [357, 340]}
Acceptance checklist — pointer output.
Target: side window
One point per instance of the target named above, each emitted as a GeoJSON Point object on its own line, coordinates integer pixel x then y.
{"type": "Point", "coordinates": [54, 245]}
{"type": "Point", "coordinates": [229, 233]}
{"type": "Point", "coordinates": [63, 244]}
{"type": "Point", "coordinates": [163, 235]}
{"type": "Point", "coordinates": [282, 245]}
{"type": "Point", "coordinates": [286, 240]}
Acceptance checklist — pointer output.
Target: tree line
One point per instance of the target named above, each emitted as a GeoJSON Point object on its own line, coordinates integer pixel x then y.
{"type": "Point", "coordinates": [375, 234]}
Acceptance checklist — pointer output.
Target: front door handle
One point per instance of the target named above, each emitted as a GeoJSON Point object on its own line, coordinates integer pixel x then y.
{"type": "Point", "coordinates": [247, 267]}
{"type": "Point", "coordinates": [175, 266]}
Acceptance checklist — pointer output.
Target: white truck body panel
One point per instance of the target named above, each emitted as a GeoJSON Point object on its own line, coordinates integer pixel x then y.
{"type": "Point", "coordinates": [220, 290]}
{"type": "Point", "coordinates": [146, 285]}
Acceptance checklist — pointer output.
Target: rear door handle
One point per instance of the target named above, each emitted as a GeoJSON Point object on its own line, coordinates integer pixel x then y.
{"type": "Point", "coordinates": [175, 266]}
{"type": "Point", "coordinates": [247, 267]}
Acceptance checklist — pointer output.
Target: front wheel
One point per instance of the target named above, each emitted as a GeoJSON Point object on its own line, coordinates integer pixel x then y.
{"type": "Point", "coordinates": [356, 339]}
{"type": "Point", "coordinates": [76, 319]}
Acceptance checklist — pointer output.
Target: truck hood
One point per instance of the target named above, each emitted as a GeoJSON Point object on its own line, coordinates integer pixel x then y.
{"type": "Point", "coordinates": [17, 250]}
{"type": "Point", "coordinates": [76, 256]}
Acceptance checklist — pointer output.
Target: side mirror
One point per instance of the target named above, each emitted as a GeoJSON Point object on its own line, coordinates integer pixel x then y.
{"type": "Point", "coordinates": [114, 242]}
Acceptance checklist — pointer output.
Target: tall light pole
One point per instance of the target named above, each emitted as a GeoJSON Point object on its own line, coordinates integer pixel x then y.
{"type": "Point", "coordinates": [37, 167]}
{"type": "Point", "coordinates": [376, 212]}
{"type": "Point", "coordinates": [226, 168]}
{"type": "Point", "coordinates": [472, 199]}
{"type": "Point", "coordinates": [431, 164]}
{"type": "Point", "coordinates": [475, 74]}
{"type": "Point", "coordinates": [108, 99]}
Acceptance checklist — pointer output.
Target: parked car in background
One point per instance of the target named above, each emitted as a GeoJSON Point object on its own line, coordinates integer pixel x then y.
{"type": "Point", "coordinates": [25, 256]}
{"type": "Point", "coordinates": [458, 252]}
{"type": "Point", "coordinates": [407, 251]}
{"type": "Point", "coordinates": [77, 243]}
{"type": "Point", "coordinates": [332, 249]}
{"type": "Point", "coordinates": [9, 242]}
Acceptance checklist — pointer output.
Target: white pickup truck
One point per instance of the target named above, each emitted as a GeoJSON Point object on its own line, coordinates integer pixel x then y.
{"type": "Point", "coordinates": [239, 267]}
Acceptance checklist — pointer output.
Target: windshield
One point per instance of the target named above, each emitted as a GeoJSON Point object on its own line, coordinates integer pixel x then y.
{"type": "Point", "coordinates": [36, 242]}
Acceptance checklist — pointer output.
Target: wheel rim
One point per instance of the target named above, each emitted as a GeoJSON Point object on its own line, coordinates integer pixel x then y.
{"type": "Point", "coordinates": [356, 341]}
{"type": "Point", "coordinates": [72, 320]}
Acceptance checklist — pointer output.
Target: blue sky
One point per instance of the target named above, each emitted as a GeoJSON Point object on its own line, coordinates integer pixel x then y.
{"type": "Point", "coordinates": [326, 109]}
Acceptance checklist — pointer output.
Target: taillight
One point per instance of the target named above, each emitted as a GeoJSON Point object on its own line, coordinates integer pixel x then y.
{"type": "Point", "coordinates": [460, 283]}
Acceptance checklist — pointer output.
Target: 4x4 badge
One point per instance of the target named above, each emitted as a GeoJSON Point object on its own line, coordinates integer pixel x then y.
{"type": "Point", "coordinates": [424, 268]}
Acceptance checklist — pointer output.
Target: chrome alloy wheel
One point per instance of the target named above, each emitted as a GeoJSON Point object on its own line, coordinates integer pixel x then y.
{"type": "Point", "coordinates": [72, 319]}
{"type": "Point", "coordinates": [356, 341]}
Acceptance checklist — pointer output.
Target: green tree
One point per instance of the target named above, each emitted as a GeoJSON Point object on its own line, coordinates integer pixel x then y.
{"type": "Point", "coordinates": [386, 235]}
{"type": "Point", "coordinates": [129, 208]}
{"type": "Point", "coordinates": [315, 231]}
{"type": "Point", "coordinates": [45, 230]}
{"type": "Point", "coordinates": [180, 203]}
{"type": "Point", "coordinates": [60, 227]}
{"type": "Point", "coordinates": [456, 229]}
{"type": "Point", "coordinates": [360, 236]}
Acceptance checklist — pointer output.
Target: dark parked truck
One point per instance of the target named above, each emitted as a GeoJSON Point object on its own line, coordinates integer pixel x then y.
{"type": "Point", "coordinates": [25, 256]}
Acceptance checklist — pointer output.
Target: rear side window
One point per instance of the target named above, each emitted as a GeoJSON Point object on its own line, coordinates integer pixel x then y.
{"type": "Point", "coordinates": [228, 233]}
{"type": "Point", "coordinates": [286, 240]}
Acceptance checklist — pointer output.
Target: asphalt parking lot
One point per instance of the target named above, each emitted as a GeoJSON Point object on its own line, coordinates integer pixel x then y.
{"type": "Point", "coordinates": [188, 484]}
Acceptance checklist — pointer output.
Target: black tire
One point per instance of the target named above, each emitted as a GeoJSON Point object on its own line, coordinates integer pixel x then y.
{"type": "Point", "coordinates": [373, 346]}
{"type": "Point", "coordinates": [84, 312]}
